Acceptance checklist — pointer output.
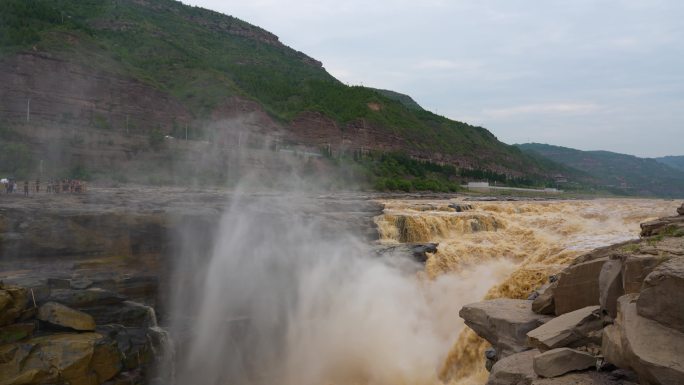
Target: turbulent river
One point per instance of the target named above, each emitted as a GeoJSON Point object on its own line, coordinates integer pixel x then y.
{"type": "Point", "coordinates": [504, 249]}
{"type": "Point", "coordinates": [283, 299]}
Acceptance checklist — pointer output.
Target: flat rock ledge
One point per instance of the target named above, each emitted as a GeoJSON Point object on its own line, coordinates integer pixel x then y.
{"type": "Point", "coordinates": [503, 322]}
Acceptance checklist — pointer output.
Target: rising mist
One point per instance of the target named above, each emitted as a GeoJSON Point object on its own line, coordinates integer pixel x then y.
{"type": "Point", "coordinates": [284, 298]}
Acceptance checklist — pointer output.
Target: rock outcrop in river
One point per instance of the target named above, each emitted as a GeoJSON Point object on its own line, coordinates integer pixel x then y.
{"type": "Point", "coordinates": [613, 316]}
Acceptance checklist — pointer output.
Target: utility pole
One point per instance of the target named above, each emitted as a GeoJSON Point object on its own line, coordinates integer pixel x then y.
{"type": "Point", "coordinates": [186, 131]}
{"type": "Point", "coordinates": [28, 110]}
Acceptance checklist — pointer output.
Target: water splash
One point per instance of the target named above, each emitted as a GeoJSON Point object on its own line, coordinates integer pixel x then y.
{"type": "Point", "coordinates": [283, 299]}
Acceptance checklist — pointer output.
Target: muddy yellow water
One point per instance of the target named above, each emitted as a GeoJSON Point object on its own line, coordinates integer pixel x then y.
{"type": "Point", "coordinates": [528, 240]}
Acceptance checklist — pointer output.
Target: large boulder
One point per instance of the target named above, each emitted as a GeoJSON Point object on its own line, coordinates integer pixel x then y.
{"type": "Point", "coordinates": [76, 359]}
{"type": "Point", "coordinates": [557, 362]}
{"type": "Point", "coordinates": [514, 369]}
{"type": "Point", "coordinates": [680, 209]}
{"type": "Point", "coordinates": [654, 351]}
{"type": "Point", "coordinates": [503, 322]}
{"type": "Point", "coordinates": [578, 286]}
{"type": "Point", "coordinates": [610, 286]}
{"type": "Point", "coordinates": [13, 301]}
{"type": "Point", "coordinates": [59, 315]}
{"type": "Point", "coordinates": [662, 295]}
{"type": "Point", "coordinates": [572, 329]}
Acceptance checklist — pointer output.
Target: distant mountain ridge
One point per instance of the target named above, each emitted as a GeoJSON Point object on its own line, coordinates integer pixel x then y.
{"type": "Point", "coordinates": [103, 77]}
{"type": "Point", "coordinates": [620, 173]}
{"type": "Point", "coordinates": [672, 161]}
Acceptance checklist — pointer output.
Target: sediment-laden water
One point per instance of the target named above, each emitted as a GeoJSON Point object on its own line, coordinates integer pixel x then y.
{"type": "Point", "coordinates": [285, 298]}
{"type": "Point", "coordinates": [521, 242]}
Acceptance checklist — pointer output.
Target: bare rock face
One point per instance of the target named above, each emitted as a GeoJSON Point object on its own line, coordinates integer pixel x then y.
{"type": "Point", "coordinates": [655, 352]}
{"type": "Point", "coordinates": [557, 362]}
{"type": "Point", "coordinates": [60, 315]}
{"type": "Point", "coordinates": [544, 303]}
{"type": "Point", "coordinates": [83, 359]}
{"type": "Point", "coordinates": [503, 322]}
{"type": "Point", "coordinates": [578, 286]}
{"type": "Point", "coordinates": [569, 330]}
{"type": "Point", "coordinates": [611, 346]}
{"type": "Point", "coordinates": [662, 295]}
{"type": "Point", "coordinates": [514, 369]}
{"type": "Point", "coordinates": [610, 286]}
{"type": "Point", "coordinates": [635, 268]}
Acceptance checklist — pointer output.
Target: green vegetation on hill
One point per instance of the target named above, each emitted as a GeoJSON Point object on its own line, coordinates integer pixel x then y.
{"type": "Point", "coordinates": [204, 59]}
{"type": "Point", "coordinates": [395, 171]}
{"type": "Point", "coordinates": [618, 173]}
{"type": "Point", "coordinates": [673, 161]}
{"type": "Point", "coordinates": [404, 99]}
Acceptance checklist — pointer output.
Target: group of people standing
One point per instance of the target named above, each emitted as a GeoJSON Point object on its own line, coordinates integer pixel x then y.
{"type": "Point", "coordinates": [53, 186]}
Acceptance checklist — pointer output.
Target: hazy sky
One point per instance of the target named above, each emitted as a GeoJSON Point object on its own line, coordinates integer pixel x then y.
{"type": "Point", "coordinates": [588, 74]}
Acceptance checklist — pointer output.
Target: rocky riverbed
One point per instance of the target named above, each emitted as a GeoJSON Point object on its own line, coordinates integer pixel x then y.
{"type": "Point", "coordinates": [613, 316]}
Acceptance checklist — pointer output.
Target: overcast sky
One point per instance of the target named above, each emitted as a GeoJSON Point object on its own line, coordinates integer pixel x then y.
{"type": "Point", "coordinates": [588, 74]}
